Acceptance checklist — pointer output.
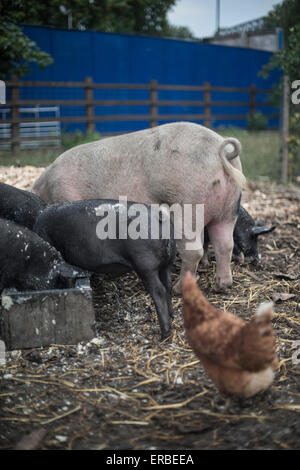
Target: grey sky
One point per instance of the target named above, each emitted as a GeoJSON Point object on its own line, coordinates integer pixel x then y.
{"type": "Point", "coordinates": [200, 15]}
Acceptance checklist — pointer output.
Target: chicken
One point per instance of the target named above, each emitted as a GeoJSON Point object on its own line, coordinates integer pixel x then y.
{"type": "Point", "coordinates": [239, 357]}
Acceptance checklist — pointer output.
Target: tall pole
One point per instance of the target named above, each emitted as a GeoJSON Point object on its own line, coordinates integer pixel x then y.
{"type": "Point", "coordinates": [285, 130]}
{"type": "Point", "coordinates": [217, 16]}
{"type": "Point", "coordinates": [284, 118]}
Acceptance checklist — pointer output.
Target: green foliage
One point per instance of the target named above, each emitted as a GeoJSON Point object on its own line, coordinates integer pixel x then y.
{"type": "Point", "coordinates": [78, 138]}
{"type": "Point", "coordinates": [16, 49]}
{"type": "Point", "coordinates": [288, 59]}
{"type": "Point", "coordinates": [294, 144]}
{"type": "Point", "coordinates": [257, 122]}
{"type": "Point", "coordinates": [115, 16]}
{"type": "Point", "coordinates": [286, 15]}
{"type": "Point", "coordinates": [180, 32]}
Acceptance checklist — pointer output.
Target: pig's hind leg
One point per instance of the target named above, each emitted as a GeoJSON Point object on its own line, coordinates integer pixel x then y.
{"type": "Point", "coordinates": [204, 260]}
{"type": "Point", "coordinates": [221, 236]}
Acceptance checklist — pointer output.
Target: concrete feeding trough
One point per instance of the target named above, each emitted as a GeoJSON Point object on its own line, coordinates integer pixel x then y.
{"type": "Point", "coordinates": [31, 319]}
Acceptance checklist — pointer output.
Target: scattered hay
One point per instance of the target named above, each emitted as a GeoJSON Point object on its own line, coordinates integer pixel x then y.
{"type": "Point", "coordinates": [128, 390]}
{"type": "Point", "coordinates": [22, 178]}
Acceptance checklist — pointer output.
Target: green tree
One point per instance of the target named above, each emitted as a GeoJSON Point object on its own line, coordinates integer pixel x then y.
{"type": "Point", "coordinates": [180, 32]}
{"type": "Point", "coordinates": [16, 49]}
{"type": "Point", "coordinates": [286, 15]}
{"type": "Point", "coordinates": [120, 16]}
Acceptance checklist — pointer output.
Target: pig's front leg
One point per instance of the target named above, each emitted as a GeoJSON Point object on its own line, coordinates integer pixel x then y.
{"type": "Point", "coordinates": [205, 260]}
{"type": "Point", "coordinates": [221, 236]}
{"type": "Point", "coordinates": [159, 294]}
{"type": "Point", "coordinates": [189, 262]}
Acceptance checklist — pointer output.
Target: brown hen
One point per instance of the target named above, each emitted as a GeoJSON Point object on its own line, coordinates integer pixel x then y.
{"type": "Point", "coordinates": [239, 357]}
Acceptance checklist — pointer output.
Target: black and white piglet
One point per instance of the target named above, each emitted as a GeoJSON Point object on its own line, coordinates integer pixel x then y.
{"type": "Point", "coordinates": [20, 206]}
{"type": "Point", "coordinates": [73, 229]}
{"type": "Point", "coordinates": [245, 237]}
{"type": "Point", "coordinates": [27, 262]}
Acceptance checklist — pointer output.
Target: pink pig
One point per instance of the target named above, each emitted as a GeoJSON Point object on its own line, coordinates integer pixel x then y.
{"type": "Point", "coordinates": [182, 162]}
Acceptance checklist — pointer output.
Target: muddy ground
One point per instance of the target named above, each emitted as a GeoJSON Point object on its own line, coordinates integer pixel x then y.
{"type": "Point", "coordinates": [128, 390]}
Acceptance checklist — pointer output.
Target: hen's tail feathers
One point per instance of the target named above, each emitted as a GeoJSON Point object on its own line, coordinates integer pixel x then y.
{"type": "Point", "coordinates": [264, 312]}
{"type": "Point", "coordinates": [257, 349]}
{"type": "Point", "coordinates": [226, 157]}
{"type": "Point", "coordinates": [263, 317]}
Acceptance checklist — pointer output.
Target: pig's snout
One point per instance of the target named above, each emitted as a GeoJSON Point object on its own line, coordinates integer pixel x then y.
{"type": "Point", "coordinates": [253, 259]}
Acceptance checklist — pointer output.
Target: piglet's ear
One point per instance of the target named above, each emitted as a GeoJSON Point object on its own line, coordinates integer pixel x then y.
{"type": "Point", "coordinates": [260, 230]}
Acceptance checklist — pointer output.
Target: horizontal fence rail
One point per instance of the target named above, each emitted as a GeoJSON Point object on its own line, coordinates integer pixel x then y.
{"type": "Point", "coordinates": [154, 104]}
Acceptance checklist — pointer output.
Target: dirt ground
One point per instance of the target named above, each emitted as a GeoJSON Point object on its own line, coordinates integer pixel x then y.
{"type": "Point", "coordinates": [126, 389]}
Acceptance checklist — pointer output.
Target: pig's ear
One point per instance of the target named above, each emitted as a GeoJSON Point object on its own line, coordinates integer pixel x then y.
{"type": "Point", "coordinates": [261, 229]}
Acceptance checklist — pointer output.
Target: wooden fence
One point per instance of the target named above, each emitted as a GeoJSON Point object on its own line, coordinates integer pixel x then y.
{"type": "Point", "coordinates": [154, 103]}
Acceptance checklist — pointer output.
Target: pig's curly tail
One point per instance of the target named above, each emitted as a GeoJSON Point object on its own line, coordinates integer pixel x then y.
{"type": "Point", "coordinates": [227, 156]}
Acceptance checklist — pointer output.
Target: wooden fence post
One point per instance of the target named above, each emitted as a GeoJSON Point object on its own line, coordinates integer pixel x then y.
{"type": "Point", "coordinates": [252, 101]}
{"type": "Point", "coordinates": [207, 104]}
{"type": "Point", "coordinates": [153, 103]}
{"type": "Point", "coordinates": [285, 113]}
{"type": "Point", "coordinates": [89, 107]}
{"type": "Point", "coordinates": [15, 126]}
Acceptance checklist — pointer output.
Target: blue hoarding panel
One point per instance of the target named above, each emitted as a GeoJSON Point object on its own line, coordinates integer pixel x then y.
{"type": "Point", "coordinates": [117, 58]}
